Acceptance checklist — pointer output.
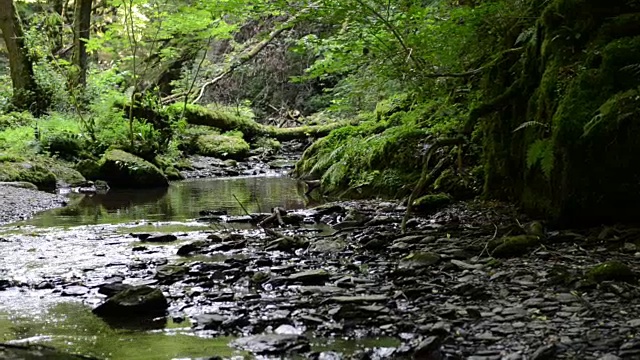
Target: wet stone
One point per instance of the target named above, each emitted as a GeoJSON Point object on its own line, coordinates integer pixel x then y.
{"type": "Point", "coordinates": [309, 277]}
{"type": "Point", "coordinates": [164, 238]}
{"type": "Point", "coordinates": [273, 344]}
{"type": "Point", "coordinates": [137, 301]}
{"type": "Point", "coordinates": [75, 291]}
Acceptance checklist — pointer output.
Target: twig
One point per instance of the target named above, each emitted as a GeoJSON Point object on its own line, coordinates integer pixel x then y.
{"type": "Point", "coordinates": [495, 233]}
{"type": "Point", "coordinates": [239, 203]}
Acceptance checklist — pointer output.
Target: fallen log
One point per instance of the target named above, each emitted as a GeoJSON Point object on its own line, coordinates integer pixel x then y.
{"type": "Point", "coordinates": [225, 121]}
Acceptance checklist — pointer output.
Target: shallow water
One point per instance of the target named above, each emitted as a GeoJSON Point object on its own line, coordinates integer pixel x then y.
{"type": "Point", "coordinates": [88, 242]}
{"type": "Point", "coordinates": [182, 201]}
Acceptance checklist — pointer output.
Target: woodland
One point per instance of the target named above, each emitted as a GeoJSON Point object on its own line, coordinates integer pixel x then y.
{"type": "Point", "coordinates": [427, 104]}
{"type": "Point", "coordinates": [528, 101]}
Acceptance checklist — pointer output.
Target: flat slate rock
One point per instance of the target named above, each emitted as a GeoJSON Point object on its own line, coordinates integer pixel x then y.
{"type": "Point", "coordinates": [272, 344]}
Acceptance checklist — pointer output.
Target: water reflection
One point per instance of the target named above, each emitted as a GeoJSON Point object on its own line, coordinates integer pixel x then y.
{"type": "Point", "coordinates": [181, 201]}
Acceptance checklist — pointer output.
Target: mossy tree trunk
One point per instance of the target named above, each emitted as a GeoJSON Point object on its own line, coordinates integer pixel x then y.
{"type": "Point", "coordinates": [81, 33]}
{"type": "Point", "coordinates": [25, 89]}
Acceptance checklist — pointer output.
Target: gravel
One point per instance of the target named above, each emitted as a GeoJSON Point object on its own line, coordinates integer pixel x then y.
{"type": "Point", "coordinates": [18, 203]}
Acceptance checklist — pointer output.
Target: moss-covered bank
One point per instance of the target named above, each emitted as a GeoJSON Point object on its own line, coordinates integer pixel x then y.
{"type": "Point", "coordinates": [562, 138]}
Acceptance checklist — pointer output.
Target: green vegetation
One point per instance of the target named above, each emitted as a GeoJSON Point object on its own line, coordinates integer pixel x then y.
{"type": "Point", "coordinates": [530, 101]}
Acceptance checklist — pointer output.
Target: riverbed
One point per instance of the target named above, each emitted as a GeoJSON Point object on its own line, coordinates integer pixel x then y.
{"type": "Point", "coordinates": [333, 281]}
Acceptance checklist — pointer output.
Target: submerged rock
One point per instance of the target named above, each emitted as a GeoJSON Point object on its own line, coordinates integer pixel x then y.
{"type": "Point", "coordinates": [35, 352]}
{"type": "Point", "coordinates": [273, 344]}
{"type": "Point", "coordinates": [137, 301]}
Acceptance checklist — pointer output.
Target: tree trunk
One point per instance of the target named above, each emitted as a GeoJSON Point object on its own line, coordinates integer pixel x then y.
{"type": "Point", "coordinates": [56, 35]}
{"type": "Point", "coordinates": [25, 89]}
{"type": "Point", "coordinates": [81, 32]}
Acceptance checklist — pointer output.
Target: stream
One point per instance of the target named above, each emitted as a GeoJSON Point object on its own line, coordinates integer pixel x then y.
{"type": "Point", "coordinates": [58, 258]}
{"type": "Point", "coordinates": [334, 281]}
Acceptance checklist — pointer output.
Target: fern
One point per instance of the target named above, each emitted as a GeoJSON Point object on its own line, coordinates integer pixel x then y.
{"type": "Point", "coordinates": [527, 124]}
{"type": "Point", "coordinates": [541, 151]}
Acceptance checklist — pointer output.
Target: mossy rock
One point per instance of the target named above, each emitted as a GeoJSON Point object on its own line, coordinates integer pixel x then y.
{"type": "Point", "coordinates": [33, 173]}
{"type": "Point", "coordinates": [431, 202]}
{"type": "Point", "coordinates": [511, 246]}
{"type": "Point", "coordinates": [173, 173]}
{"type": "Point", "coordinates": [222, 146]}
{"type": "Point", "coordinates": [611, 271]}
{"type": "Point", "coordinates": [90, 169]}
{"type": "Point", "coordinates": [267, 143]}
{"type": "Point", "coordinates": [123, 170]}
{"type": "Point", "coordinates": [65, 174]}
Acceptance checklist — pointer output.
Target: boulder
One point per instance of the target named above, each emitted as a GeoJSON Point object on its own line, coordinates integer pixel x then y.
{"type": "Point", "coordinates": [123, 170]}
{"type": "Point", "coordinates": [222, 146]}
{"type": "Point", "coordinates": [36, 174]}
{"type": "Point", "coordinates": [138, 302]}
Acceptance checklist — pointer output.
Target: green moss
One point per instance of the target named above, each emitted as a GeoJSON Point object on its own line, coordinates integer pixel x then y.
{"type": "Point", "coordinates": [65, 173]}
{"type": "Point", "coordinates": [432, 202]}
{"type": "Point", "coordinates": [267, 143]}
{"type": "Point", "coordinates": [611, 271]}
{"type": "Point", "coordinates": [121, 169]}
{"type": "Point", "coordinates": [30, 172]}
{"type": "Point", "coordinates": [90, 169]}
{"type": "Point", "coordinates": [365, 159]}
{"type": "Point", "coordinates": [218, 117]}
{"type": "Point", "coordinates": [173, 174]}
{"type": "Point", "coordinates": [512, 246]}
{"type": "Point", "coordinates": [222, 146]}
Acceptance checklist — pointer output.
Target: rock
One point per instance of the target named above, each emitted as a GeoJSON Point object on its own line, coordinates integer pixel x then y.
{"type": "Point", "coordinates": [90, 169]}
{"type": "Point", "coordinates": [287, 243]}
{"type": "Point", "coordinates": [75, 290]}
{"type": "Point", "coordinates": [419, 260]}
{"type": "Point", "coordinates": [309, 277]}
{"type": "Point", "coordinates": [36, 174]}
{"type": "Point", "coordinates": [327, 246]}
{"type": "Point", "coordinates": [511, 246]}
{"type": "Point", "coordinates": [465, 266]}
{"type": "Point", "coordinates": [35, 352]}
{"type": "Point", "coordinates": [113, 288]}
{"type": "Point", "coordinates": [222, 146]}
{"type": "Point", "coordinates": [411, 239]}
{"type": "Point", "coordinates": [168, 274]}
{"type": "Point", "coordinates": [431, 203]}
{"type": "Point", "coordinates": [260, 277]}
{"type": "Point", "coordinates": [273, 344]}
{"type": "Point", "coordinates": [196, 246]}
{"type": "Point", "coordinates": [359, 299]}
{"type": "Point", "coordinates": [123, 170]}
{"type": "Point", "coordinates": [428, 349]}
{"type": "Point", "coordinates": [210, 321]}
{"type": "Point", "coordinates": [545, 352]}
{"type": "Point", "coordinates": [609, 357]}
{"type": "Point", "coordinates": [164, 238]}
{"type": "Point", "coordinates": [137, 301]}
{"type": "Point", "coordinates": [611, 271]}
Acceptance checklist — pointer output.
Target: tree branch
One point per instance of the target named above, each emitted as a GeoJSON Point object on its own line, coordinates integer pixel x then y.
{"type": "Point", "coordinates": [244, 57]}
